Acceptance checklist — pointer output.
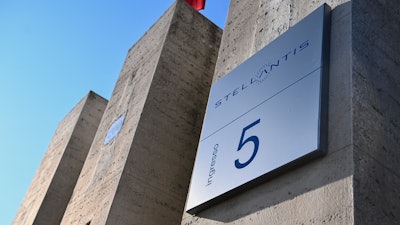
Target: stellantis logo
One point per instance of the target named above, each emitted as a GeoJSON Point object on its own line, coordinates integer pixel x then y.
{"type": "Point", "coordinates": [263, 73]}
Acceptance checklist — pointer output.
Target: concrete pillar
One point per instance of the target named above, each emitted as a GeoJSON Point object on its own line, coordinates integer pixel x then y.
{"type": "Point", "coordinates": [357, 181]}
{"type": "Point", "coordinates": [376, 111]}
{"type": "Point", "coordinates": [50, 191]}
{"type": "Point", "coordinates": [138, 169]}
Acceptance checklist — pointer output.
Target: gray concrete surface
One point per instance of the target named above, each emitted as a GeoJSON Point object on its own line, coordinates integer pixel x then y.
{"type": "Point", "coordinates": [376, 111]}
{"type": "Point", "coordinates": [142, 175]}
{"type": "Point", "coordinates": [357, 182]}
{"type": "Point", "coordinates": [55, 179]}
{"type": "Point", "coordinates": [320, 192]}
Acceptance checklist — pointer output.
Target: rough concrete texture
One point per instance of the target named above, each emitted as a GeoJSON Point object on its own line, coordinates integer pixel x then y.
{"type": "Point", "coordinates": [376, 111]}
{"type": "Point", "coordinates": [253, 24]}
{"type": "Point", "coordinates": [53, 184]}
{"type": "Point", "coordinates": [142, 175]}
{"type": "Point", "coordinates": [320, 192]}
{"type": "Point", "coordinates": [358, 181]}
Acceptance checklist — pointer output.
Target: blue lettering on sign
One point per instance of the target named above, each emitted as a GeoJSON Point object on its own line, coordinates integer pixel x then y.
{"type": "Point", "coordinates": [242, 142]}
{"type": "Point", "coordinates": [212, 166]}
{"type": "Point", "coordinates": [262, 74]}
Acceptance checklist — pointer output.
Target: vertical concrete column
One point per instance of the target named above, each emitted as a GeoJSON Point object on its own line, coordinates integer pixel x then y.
{"type": "Point", "coordinates": [376, 111]}
{"type": "Point", "coordinates": [138, 169]}
{"type": "Point", "coordinates": [55, 179]}
{"type": "Point", "coordinates": [357, 182]}
{"type": "Point", "coordinates": [320, 192]}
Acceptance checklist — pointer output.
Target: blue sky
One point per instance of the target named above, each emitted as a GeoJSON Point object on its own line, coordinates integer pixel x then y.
{"type": "Point", "coordinates": [51, 54]}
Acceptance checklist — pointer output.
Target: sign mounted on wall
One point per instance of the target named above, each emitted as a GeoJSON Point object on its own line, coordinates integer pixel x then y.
{"type": "Point", "coordinates": [114, 129]}
{"type": "Point", "coordinates": [266, 116]}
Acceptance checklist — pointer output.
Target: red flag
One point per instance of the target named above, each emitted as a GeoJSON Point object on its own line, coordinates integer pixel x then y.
{"type": "Point", "coordinates": [197, 4]}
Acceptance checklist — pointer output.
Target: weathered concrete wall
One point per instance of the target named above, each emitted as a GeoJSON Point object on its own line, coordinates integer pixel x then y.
{"type": "Point", "coordinates": [142, 175]}
{"type": "Point", "coordinates": [357, 182]}
{"type": "Point", "coordinates": [52, 186]}
{"type": "Point", "coordinates": [320, 192]}
{"type": "Point", "coordinates": [376, 105]}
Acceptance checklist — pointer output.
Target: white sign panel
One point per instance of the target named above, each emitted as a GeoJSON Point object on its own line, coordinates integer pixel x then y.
{"type": "Point", "coordinates": [266, 115]}
{"type": "Point", "coordinates": [114, 130]}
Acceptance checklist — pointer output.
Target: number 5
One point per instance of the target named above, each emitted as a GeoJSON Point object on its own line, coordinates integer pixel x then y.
{"type": "Point", "coordinates": [253, 139]}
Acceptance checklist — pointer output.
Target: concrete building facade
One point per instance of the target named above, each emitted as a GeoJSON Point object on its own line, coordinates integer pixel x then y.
{"type": "Point", "coordinates": [139, 165]}
{"type": "Point", "coordinates": [357, 181]}
{"type": "Point", "coordinates": [140, 173]}
{"type": "Point", "coordinates": [53, 184]}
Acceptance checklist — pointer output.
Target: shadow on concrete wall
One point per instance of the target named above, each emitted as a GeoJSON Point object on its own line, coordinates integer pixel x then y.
{"type": "Point", "coordinates": [321, 173]}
